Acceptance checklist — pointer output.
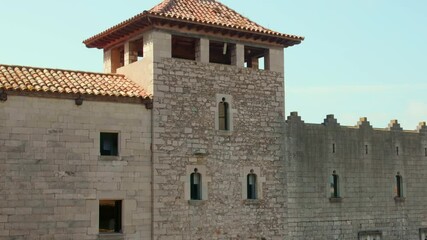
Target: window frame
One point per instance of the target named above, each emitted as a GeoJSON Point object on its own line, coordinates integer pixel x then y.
{"type": "Point", "coordinates": [370, 235]}
{"type": "Point", "coordinates": [223, 115]}
{"type": "Point", "coordinates": [251, 188]}
{"type": "Point", "coordinates": [116, 144]}
{"type": "Point", "coordinates": [229, 114]}
{"type": "Point", "coordinates": [196, 188]}
{"type": "Point", "coordinates": [118, 217]}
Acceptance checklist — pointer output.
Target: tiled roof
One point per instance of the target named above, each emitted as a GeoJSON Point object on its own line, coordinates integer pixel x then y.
{"type": "Point", "coordinates": [210, 12]}
{"type": "Point", "coordinates": [199, 12]}
{"type": "Point", "coordinates": [31, 79]}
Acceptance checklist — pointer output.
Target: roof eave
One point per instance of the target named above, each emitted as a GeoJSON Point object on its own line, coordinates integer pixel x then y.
{"type": "Point", "coordinates": [140, 22]}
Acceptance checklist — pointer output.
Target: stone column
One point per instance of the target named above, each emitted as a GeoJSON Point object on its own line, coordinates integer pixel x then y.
{"type": "Point", "coordinates": [238, 55]}
{"type": "Point", "coordinates": [202, 50]}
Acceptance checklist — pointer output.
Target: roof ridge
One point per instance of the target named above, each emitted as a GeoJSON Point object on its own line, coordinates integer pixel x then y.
{"type": "Point", "coordinates": [162, 5]}
{"type": "Point", "coordinates": [65, 70]}
{"type": "Point", "coordinates": [243, 16]}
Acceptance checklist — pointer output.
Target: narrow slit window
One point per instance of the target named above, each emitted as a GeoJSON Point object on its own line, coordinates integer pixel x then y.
{"type": "Point", "coordinates": [223, 115]}
{"type": "Point", "coordinates": [196, 185]}
{"type": "Point", "coordinates": [397, 151]}
{"type": "Point", "coordinates": [251, 185]}
{"type": "Point", "coordinates": [110, 216]}
{"type": "Point", "coordinates": [334, 187]}
{"type": "Point", "coordinates": [109, 143]}
{"type": "Point", "coordinates": [399, 186]}
{"type": "Point", "coordinates": [366, 149]}
{"type": "Point", "coordinates": [333, 147]}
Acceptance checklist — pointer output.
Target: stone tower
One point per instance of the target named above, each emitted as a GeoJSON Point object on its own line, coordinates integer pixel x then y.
{"type": "Point", "coordinates": [217, 81]}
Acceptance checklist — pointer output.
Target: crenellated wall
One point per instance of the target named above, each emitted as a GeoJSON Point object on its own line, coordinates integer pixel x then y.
{"type": "Point", "coordinates": [367, 161]}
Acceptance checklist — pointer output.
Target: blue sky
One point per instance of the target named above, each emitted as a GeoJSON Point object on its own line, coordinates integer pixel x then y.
{"type": "Point", "coordinates": [361, 58]}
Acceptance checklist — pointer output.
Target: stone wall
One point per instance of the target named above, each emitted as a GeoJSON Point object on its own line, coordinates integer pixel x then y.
{"type": "Point", "coordinates": [367, 161]}
{"type": "Point", "coordinates": [185, 137]}
{"type": "Point", "coordinates": [52, 175]}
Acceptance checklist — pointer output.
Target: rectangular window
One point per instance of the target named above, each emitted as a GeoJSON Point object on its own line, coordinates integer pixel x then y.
{"type": "Point", "coordinates": [223, 115]}
{"type": "Point", "coordinates": [196, 185]}
{"type": "Point", "coordinates": [423, 233]}
{"type": "Point", "coordinates": [256, 58]}
{"type": "Point", "coordinates": [109, 144]}
{"type": "Point", "coordinates": [184, 47]}
{"type": "Point", "coordinates": [220, 52]}
{"type": "Point", "coordinates": [399, 186]}
{"type": "Point", "coordinates": [251, 185]}
{"type": "Point", "coordinates": [374, 235]}
{"type": "Point", "coordinates": [110, 216]}
{"type": "Point", "coordinates": [335, 186]}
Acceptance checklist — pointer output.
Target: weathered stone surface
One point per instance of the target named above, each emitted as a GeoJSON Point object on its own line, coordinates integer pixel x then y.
{"type": "Point", "coordinates": [51, 177]}
{"type": "Point", "coordinates": [367, 163]}
{"type": "Point", "coordinates": [184, 128]}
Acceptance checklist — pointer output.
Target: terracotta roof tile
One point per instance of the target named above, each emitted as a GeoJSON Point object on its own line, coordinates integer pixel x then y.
{"type": "Point", "coordinates": [20, 78]}
{"type": "Point", "coordinates": [203, 12]}
{"type": "Point", "coordinates": [210, 12]}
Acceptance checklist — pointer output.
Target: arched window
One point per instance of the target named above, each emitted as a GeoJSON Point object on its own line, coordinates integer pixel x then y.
{"type": "Point", "coordinates": [223, 115]}
{"type": "Point", "coordinates": [196, 185]}
{"type": "Point", "coordinates": [251, 185]}
{"type": "Point", "coordinates": [334, 188]}
{"type": "Point", "coordinates": [399, 186]}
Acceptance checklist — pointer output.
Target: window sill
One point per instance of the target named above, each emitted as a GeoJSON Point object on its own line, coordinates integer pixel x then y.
{"type": "Point", "coordinates": [196, 202]}
{"type": "Point", "coordinates": [335, 199]}
{"type": "Point", "coordinates": [109, 158]}
{"type": "Point", "coordinates": [399, 199]}
{"type": "Point", "coordinates": [224, 132]}
{"type": "Point", "coordinates": [252, 202]}
{"type": "Point", "coordinates": [111, 236]}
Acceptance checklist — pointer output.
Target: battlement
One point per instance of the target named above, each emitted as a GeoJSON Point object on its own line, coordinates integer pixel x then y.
{"type": "Point", "coordinates": [363, 123]}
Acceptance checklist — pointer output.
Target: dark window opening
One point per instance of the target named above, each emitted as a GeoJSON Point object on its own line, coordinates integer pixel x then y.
{"type": "Point", "coordinates": [196, 185]}
{"type": "Point", "coordinates": [122, 57]}
{"type": "Point", "coordinates": [425, 152]}
{"type": "Point", "coordinates": [399, 186]}
{"type": "Point", "coordinates": [256, 58]}
{"type": "Point", "coordinates": [223, 115]}
{"type": "Point", "coordinates": [109, 143]}
{"type": "Point", "coordinates": [366, 149]}
{"type": "Point", "coordinates": [135, 51]}
{"type": "Point", "coordinates": [110, 216]}
{"type": "Point", "coordinates": [370, 235]}
{"type": "Point", "coordinates": [139, 48]}
{"type": "Point", "coordinates": [117, 58]}
{"type": "Point", "coordinates": [221, 52]}
{"type": "Point", "coordinates": [397, 151]}
{"type": "Point", "coordinates": [184, 47]}
{"type": "Point", "coordinates": [333, 147]}
{"type": "Point", "coordinates": [251, 185]}
{"type": "Point", "coordinates": [334, 185]}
